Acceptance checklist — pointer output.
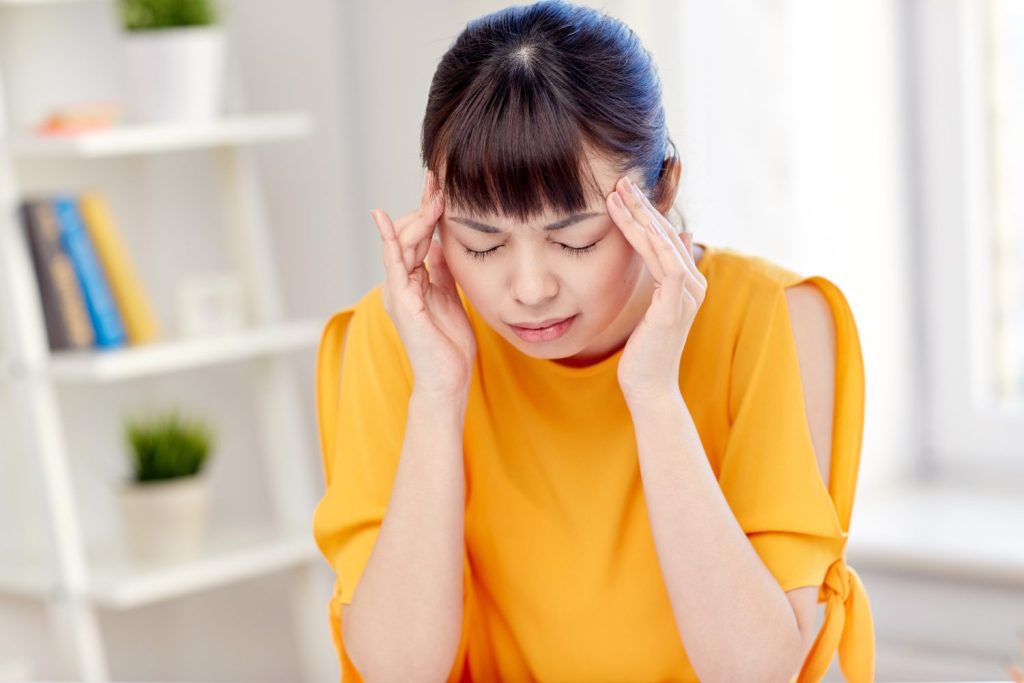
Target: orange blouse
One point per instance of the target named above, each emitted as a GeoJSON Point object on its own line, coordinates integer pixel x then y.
{"type": "Point", "coordinates": [561, 578]}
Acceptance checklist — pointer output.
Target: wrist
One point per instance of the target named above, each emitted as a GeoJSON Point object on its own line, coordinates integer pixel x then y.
{"type": "Point", "coordinates": [651, 396]}
{"type": "Point", "coordinates": [440, 399]}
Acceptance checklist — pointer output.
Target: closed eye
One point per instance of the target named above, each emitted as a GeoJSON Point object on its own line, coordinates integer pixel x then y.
{"type": "Point", "coordinates": [575, 251]}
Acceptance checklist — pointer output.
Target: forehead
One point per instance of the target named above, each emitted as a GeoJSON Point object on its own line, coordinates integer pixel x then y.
{"type": "Point", "coordinates": [605, 175]}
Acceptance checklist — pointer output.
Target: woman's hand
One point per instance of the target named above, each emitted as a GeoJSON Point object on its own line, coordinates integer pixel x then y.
{"type": "Point", "coordinates": [649, 365]}
{"type": "Point", "coordinates": [425, 306]}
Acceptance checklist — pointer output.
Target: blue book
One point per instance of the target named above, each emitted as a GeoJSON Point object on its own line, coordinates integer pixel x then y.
{"type": "Point", "coordinates": [99, 301]}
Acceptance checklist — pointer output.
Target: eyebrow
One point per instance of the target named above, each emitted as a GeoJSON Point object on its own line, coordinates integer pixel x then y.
{"type": "Point", "coordinates": [557, 225]}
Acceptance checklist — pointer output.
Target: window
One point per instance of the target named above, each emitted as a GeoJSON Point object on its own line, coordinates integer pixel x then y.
{"type": "Point", "coordinates": [966, 122]}
{"type": "Point", "coordinates": [1006, 92]}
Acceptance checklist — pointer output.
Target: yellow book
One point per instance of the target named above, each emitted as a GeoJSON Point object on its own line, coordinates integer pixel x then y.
{"type": "Point", "coordinates": [137, 313]}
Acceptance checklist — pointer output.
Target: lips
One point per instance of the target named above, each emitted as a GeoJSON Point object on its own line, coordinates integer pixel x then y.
{"type": "Point", "coordinates": [544, 323]}
{"type": "Point", "coordinates": [549, 331]}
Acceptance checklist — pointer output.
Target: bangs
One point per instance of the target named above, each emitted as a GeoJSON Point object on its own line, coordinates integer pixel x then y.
{"type": "Point", "coordinates": [509, 147]}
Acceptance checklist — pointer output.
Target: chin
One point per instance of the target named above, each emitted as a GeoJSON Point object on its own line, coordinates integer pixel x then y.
{"type": "Point", "coordinates": [548, 351]}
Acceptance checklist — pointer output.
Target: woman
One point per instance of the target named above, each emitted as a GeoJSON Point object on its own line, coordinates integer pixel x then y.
{"type": "Point", "coordinates": [567, 443]}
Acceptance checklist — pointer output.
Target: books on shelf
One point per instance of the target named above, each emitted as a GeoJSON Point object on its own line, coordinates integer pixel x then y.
{"type": "Point", "coordinates": [67, 323]}
{"type": "Point", "coordinates": [136, 312]}
{"type": "Point", "coordinates": [90, 292]}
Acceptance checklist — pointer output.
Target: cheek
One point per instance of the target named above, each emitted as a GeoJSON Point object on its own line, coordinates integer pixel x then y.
{"type": "Point", "coordinates": [614, 274]}
{"type": "Point", "coordinates": [467, 274]}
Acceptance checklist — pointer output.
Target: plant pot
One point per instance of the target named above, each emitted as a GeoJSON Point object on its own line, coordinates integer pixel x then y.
{"type": "Point", "coordinates": [174, 74]}
{"type": "Point", "coordinates": [165, 521]}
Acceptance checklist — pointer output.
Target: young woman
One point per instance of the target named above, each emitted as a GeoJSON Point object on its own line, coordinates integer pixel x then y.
{"type": "Point", "coordinates": [563, 442]}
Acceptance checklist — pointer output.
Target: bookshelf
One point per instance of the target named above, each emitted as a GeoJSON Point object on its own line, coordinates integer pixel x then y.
{"type": "Point", "coordinates": [73, 579]}
{"type": "Point", "coordinates": [154, 138]}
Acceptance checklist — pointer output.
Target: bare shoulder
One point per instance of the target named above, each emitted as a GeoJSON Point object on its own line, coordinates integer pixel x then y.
{"type": "Point", "coordinates": [815, 336]}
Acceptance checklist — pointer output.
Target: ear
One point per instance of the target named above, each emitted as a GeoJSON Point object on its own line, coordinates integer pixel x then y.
{"type": "Point", "coordinates": [669, 184]}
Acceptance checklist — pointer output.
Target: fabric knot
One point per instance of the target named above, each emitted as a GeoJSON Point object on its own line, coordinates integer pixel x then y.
{"type": "Point", "coordinates": [848, 627]}
{"type": "Point", "coordinates": [837, 581]}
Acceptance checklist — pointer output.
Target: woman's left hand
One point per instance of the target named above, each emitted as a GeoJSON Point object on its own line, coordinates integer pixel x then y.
{"type": "Point", "coordinates": [649, 365]}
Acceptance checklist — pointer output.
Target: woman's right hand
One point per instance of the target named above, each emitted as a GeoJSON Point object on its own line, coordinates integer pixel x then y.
{"type": "Point", "coordinates": [425, 306]}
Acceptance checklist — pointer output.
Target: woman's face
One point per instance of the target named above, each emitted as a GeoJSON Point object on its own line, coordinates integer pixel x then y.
{"type": "Point", "coordinates": [558, 266]}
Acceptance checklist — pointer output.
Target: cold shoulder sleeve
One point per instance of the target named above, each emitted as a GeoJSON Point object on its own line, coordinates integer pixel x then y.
{"type": "Point", "coordinates": [362, 430]}
{"type": "Point", "coordinates": [363, 384]}
{"type": "Point", "coordinates": [796, 522]}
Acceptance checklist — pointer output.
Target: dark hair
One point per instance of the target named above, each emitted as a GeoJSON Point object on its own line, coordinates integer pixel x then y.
{"type": "Point", "coordinates": [521, 98]}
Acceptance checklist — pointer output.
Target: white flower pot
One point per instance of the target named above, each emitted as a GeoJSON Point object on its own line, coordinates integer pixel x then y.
{"type": "Point", "coordinates": [174, 74]}
{"type": "Point", "coordinates": [165, 521]}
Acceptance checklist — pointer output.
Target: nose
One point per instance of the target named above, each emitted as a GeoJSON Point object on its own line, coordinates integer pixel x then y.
{"type": "Point", "coordinates": [533, 282]}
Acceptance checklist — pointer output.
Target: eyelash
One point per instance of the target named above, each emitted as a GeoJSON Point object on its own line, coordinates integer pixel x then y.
{"type": "Point", "coordinates": [578, 252]}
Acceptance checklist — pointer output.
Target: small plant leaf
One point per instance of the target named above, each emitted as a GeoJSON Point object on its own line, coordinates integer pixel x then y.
{"type": "Point", "coordinates": [167, 446]}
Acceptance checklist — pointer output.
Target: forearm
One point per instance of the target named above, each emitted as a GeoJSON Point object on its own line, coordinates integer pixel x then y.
{"type": "Point", "coordinates": [735, 621]}
{"type": "Point", "coordinates": [406, 617]}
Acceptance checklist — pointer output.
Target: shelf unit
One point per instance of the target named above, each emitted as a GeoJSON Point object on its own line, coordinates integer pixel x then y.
{"type": "Point", "coordinates": [165, 137]}
{"type": "Point", "coordinates": [73, 580]}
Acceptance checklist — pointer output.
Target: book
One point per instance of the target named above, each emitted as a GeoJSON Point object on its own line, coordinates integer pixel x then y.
{"type": "Point", "coordinates": [67, 321]}
{"type": "Point", "coordinates": [106, 320]}
{"type": "Point", "coordinates": [137, 313]}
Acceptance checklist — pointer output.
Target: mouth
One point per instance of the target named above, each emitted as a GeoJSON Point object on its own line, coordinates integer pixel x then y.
{"type": "Point", "coordinates": [543, 331]}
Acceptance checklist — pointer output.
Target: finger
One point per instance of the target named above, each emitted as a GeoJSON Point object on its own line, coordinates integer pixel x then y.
{"type": "Point", "coordinates": [426, 197]}
{"type": "Point", "coordinates": [397, 274]}
{"type": "Point", "coordinates": [671, 260]}
{"type": "Point", "coordinates": [416, 230]}
{"type": "Point", "coordinates": [674, 293]}
{"type": "Point", "coordinates": [675, 272]}
{"type": "Point", "coordinates": [636, 233]}
{"type": "Point", "coordinates": [425, 194]}
{"type": "Point", "coordinates": [673, 236]}
{"type": "Point", "coordinates": [438, 266]}
{"type": "Point", "coordinates": [646, 215]}
{"type": "Point", "coordinates": [687, 238]}
{"type": "Point", "coordinates": [676, 239]}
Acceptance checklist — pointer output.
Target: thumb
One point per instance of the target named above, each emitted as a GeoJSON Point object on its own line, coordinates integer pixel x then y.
{"type": "Point", "coordinates": [438, 267]}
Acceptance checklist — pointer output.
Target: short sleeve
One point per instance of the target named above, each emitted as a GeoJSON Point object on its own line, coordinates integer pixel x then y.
{"type": "Point", "coordinates": [362, 428]}
{"type": "Point", "coordinates": [363, 384]}
{"type": "Point", "coordinates": [769, 472]}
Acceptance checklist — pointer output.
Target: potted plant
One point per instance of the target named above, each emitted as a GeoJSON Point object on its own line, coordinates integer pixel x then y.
{"type": "Point", "coordinates": [165, 503]}
{"type": "Point", "coordinates": [174, 53]}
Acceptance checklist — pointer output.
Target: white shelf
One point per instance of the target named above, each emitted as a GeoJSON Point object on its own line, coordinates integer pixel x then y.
{"type": "Point", "coordinates": [112, 580]}
{"type": "Point", "coordinates": [30, 3]}
{"type": "Point", "coordinates": [118, 583]}
{"type": "Point", "coordinates": [130, 139]}
{"type": "Point", "coordinates": [113, 365]}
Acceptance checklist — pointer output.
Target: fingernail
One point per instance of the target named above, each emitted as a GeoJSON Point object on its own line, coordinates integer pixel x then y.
{"type": "Point", "coordinates": [617, 200]}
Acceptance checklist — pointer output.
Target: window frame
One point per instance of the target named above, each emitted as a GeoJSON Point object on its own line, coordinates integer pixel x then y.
{"type": "Point", "coordinates": [949, 130]}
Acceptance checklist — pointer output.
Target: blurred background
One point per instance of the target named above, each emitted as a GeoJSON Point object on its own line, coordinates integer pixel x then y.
{"type": "Point", "coordinates": [879, 143]}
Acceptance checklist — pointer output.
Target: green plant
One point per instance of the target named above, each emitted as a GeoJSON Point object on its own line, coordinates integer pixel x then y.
{"type": "Point", "coordinates": [167, 446]}
{"type": "Point", "coordinates": [148, 15]}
